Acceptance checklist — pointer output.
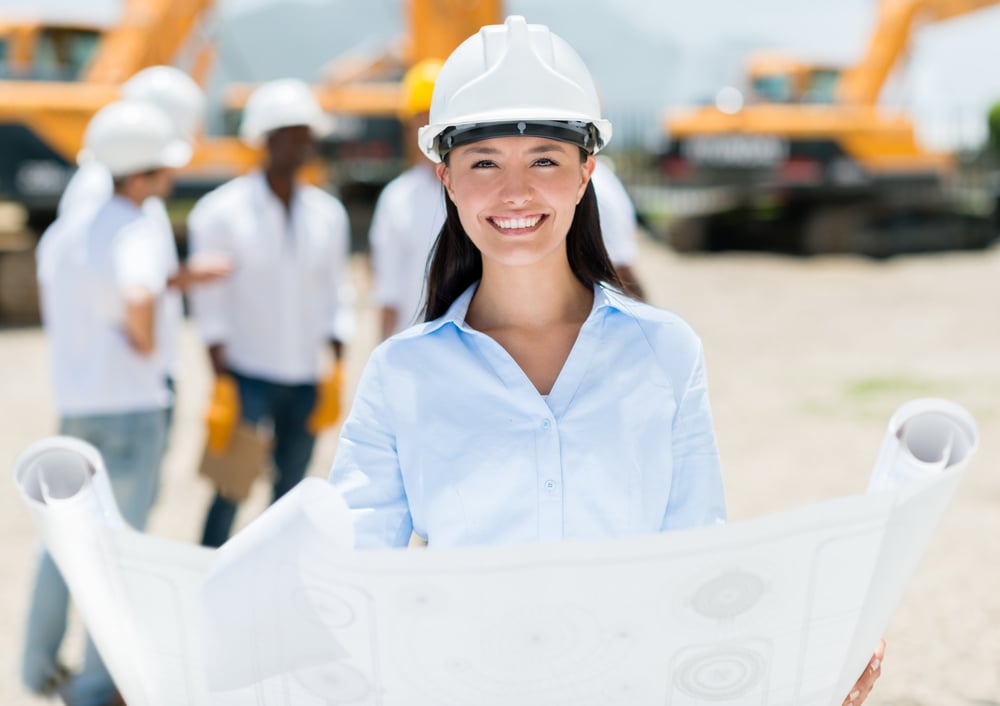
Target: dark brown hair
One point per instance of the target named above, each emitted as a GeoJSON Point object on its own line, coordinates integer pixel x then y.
{"type": "Point", "coordinates": [456, 263]}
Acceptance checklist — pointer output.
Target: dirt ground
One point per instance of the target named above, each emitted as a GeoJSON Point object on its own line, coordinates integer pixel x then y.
{"type": "Point", "coordinates": [807, 360]}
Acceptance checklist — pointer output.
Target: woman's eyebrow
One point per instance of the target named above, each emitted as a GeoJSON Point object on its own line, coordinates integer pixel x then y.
{"type": "Point", "coordinates": [483, 150]}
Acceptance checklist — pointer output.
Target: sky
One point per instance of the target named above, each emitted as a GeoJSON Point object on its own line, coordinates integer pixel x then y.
{"type": "Point", "coordinates": [647, 56]}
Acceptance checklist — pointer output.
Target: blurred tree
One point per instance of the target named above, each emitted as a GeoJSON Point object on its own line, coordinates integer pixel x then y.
{"type": "Point", "coordinates": [993, 129]}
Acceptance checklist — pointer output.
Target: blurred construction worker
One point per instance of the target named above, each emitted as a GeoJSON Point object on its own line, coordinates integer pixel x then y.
{"type": "Point", "coordinates": [289, 295]}
{"type": "Point", "coordinates": [408, 215]}
{"type": "Point", "coordinates": [410, 211]}
{"type": "Point", "coordinates": [619, 224]}
{"type": "Point", "coordinates": [177, 95]}
{"type": "Point", "coordinates": [102, 279]}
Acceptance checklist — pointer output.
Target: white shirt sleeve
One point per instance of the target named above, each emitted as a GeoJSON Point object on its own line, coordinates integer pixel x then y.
{"type": "Point", "coordinates": [697, 494]}
{"type": "Point", "coordinates": [90, 186]}
{"type": "Point", "coordinates": [207, 233]}
{"type": "Point", "coordinates": [137, 258]}
{"type": "Point", "coordinates": [387, 253]}
{"type": "Point", "coordinates": [618, 219]}
{"type": "Point", "coordinates": [340, 302]}
{"type": "Point", "coordinates": [366, 468]}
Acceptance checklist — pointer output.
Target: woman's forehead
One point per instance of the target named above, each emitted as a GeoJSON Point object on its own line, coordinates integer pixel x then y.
{"type": "Point", "coordinates": [514, 145]}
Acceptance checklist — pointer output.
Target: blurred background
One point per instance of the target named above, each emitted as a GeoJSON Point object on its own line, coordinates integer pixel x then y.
{"type": "Point", "coordinates": [816, 184]}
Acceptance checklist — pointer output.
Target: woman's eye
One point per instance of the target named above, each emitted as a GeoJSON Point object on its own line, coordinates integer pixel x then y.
{"type": "Point", "coordinates": [483, 164]}
{"type": "Point", "coordinates": [546, 162]}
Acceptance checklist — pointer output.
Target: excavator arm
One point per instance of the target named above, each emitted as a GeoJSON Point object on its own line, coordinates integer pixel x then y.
{"type": "Point", "coordinates": [896, 24]}
{"type": "Point", "coordinates": [130, 46]}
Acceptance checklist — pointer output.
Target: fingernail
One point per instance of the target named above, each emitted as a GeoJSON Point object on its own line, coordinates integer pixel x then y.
{"type": "Point", "coordinates": [875, 663]}
{"type": "Point", "coordinates": [854, 694]}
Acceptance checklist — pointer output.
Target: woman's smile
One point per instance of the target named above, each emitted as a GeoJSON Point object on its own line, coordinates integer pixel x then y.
{"type": "Point", "coordinates": [517, 225]}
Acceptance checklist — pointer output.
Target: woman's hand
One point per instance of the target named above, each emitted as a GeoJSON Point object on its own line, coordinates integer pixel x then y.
{"type": "Point", "coordinates": [863, 687]}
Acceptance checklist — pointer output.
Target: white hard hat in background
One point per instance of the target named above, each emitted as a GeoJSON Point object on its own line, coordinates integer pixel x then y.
{"type": "Point", "coordinates": [287, 102]}
{"type": "Point", "coordinates": [514, 79]}
{"type": "Point", "coordinates": [131, 137]}
{"type": "Point", "coordinates": [174, 92]}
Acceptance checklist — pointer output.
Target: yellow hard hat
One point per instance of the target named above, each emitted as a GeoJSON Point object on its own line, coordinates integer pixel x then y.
{"type": "Point", "coordinates": [418, 86]}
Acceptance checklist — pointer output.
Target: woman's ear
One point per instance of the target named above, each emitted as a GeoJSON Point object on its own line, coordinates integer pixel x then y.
{"type": "Point", "coordinates": [444, 176]}
{"type": "Point", "coordinates": [586, 170]}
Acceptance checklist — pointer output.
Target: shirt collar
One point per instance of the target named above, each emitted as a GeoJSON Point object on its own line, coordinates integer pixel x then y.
{"type": "Point", "coordinates": [604, 297]}
{"type": "Point", "coordinates": [266, 196]}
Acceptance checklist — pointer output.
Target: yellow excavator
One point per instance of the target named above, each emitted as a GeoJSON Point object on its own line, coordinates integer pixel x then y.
{"type": "Point", "coordinates": [54, 77]}
{"type": "Point", "coordinates": [809, 161]}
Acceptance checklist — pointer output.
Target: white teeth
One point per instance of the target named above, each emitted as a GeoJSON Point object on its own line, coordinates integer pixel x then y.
{"type": "Point", "coordinates": [512, 223]}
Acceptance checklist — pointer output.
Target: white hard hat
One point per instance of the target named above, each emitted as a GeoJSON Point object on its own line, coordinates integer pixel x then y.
{"type": "Point", "coordinates": [131, 137]}
{"type": "Point", "coordinates": [513, 79]}
{"type": "Point", "coordinates": [286, 102]}
{"type": "Point", "coordinates": [171, 90]}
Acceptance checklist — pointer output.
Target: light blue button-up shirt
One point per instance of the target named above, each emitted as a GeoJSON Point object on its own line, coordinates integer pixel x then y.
{"type": "Point", "coordinates": [449, 438]}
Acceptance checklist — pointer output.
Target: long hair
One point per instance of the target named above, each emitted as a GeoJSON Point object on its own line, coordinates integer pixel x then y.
{"type": "Point", "coordinates": [456, 263]}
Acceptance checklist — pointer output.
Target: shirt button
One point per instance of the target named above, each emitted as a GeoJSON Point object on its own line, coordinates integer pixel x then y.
{"type": "Point", "coordinates": [550, 485]}
{"type": "Point", "coordinates": [546, 423]}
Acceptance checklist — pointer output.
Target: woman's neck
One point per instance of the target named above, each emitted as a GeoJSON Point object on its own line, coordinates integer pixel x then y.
{"type": "Point", "coordinates": [528, 297]}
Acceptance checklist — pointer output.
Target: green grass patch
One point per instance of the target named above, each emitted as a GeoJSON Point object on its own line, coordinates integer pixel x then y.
{"type": "Point", "coordinates": [867, 388]}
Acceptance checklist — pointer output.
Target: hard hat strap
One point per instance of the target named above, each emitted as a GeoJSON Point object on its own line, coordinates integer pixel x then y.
{"type": "Point", "coordinates": [579, 133]}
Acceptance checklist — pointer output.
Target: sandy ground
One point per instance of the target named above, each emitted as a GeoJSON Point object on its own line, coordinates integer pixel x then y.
{"type": "Point", "coordinates": [807, 360]}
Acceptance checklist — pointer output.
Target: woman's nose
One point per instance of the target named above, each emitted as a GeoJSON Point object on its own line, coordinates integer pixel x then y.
{"type": "Point", "coordinates": [516, 187]}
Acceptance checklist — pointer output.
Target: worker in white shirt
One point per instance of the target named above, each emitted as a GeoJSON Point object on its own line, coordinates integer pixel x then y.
{"type": "Point", "coordinates": [289, 296]}
{"type": "Point", "coordinates": [102, 280]}
{"type": "Point", "coordinates": [619, 224]}
{"type": "Point", "coordinates": [410, 211]}
{"type": "Point", "coordinates": [537, 402]}
{"type": "Point", "coordinates": [177, 94]}
{"type": "Point", "coordinates": [408, 215]}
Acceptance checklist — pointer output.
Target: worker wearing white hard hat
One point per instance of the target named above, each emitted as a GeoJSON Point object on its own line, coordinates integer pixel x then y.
{"type": "Point", "coordinates": [289, 297]}
{"type": "Point", "coordinates": [102, 280]}
{"type": "Point", "coordinates": [175, 93]}
{"type": "Point", "coordinates": [410, 211]}
{"type": "Point", "coordinates": [537, 402]}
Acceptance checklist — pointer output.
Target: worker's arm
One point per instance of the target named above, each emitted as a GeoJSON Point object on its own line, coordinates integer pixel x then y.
{"type": "Point", "coordinates": [389, 318]}
{"type": "Point", "coordinates": [210, 240]}
{"type": "Point", "coordinates": [140, 319]}
{"type": "Point", "coordinates": [200, 269]}
{"type": "Point", "coordinates": [141, 278]}
{"type": "Point", "coordinates": [217, 357]}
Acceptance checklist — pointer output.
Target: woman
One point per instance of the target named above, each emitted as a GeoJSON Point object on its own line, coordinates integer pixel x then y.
{"type": "Point", "coordinates": [537, 402]}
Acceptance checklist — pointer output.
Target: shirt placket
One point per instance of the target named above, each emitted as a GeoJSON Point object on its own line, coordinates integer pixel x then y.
{"type": "Point", "coordinates": [549, 478]}
{"type": "Point", "coordinates": [548, 450]}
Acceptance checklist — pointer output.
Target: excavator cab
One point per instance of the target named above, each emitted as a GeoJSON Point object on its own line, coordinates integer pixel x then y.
{"type": "Point", "coordinates": [37, 52]}
{"type": "Point", "coordinates": [780, 79]}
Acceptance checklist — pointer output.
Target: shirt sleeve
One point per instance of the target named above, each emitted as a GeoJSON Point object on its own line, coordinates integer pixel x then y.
{"type": "Point", "coordinates": [210, 302]}
{"type": "Point", "coordinates": [340, 293]}
{"type": "Point", "coordinates": [366, 468]}
{"type": "Point", "coordinates": [697, 495]}
{"type": "Point", "coordinates": [386, 255]}
{"type": "Point", "coordinates": [137, 258]}
{"type": "Point", "coordinates": [618, 220]}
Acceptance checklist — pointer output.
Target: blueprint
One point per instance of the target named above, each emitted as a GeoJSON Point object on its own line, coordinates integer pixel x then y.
{"type": "Point", "coordinates": [782, 610]}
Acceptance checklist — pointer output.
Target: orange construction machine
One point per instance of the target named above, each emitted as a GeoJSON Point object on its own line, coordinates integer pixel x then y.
{"type": "Point", "coordinates": [811, 162]}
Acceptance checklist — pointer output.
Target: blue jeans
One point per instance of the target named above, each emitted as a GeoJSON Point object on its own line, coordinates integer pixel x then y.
{"type": "Point", "coordinates": [132, 446]}
{"type": "Point", "coordinates": [287, 407]}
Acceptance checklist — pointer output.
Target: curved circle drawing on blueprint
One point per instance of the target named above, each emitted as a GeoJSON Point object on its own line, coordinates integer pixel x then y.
{"type": "Point", "coordinates": [728, 595]}
{"type": "Point", "coordinates": [336, 683]}
{"type": "Point", "coordinates": [541, 640]}
{"type": "Point", "coordinates": [720, 674]}
{"type": "Point", "coordinates": [323, 605]}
